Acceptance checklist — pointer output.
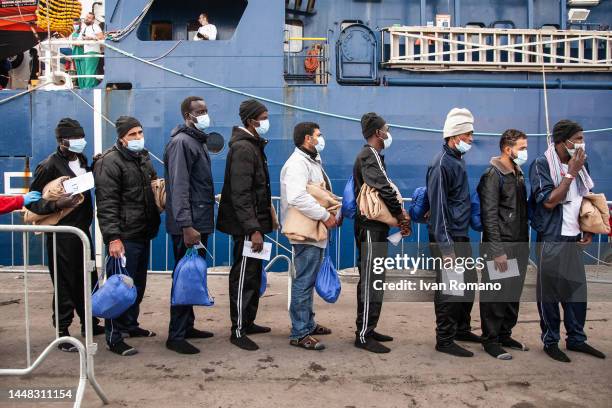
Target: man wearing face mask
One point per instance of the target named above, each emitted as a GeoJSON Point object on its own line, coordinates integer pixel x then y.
{"type": "Point", "coordinates": [304, 167]}
{"type": "Point", "coordinates": [559, 180]}
{"type": "Point", "coordinates": [449, 200]}
{"type": "Point", "coordinates": [371, 235]}
{"type": "Point", "coordinates": [89, 66]}
{"type": "Point", "coordinates": [245, 213]}
{"type": "Point", "coordinates": [190, 207]}
{"type": "Point", "coordinates": [68, 160]}
{"type": "Point", "coordinates": [128, 218]}
{"type": "Point", "coordinates": [503, 211]}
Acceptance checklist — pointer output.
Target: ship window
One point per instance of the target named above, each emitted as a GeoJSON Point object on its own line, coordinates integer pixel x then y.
{"type": "Point", "coordinates": [161, 31]}
{"type": "Point", "coordinates": [181, 18]}
{"type": "Point", "coordinates": [294, 31]}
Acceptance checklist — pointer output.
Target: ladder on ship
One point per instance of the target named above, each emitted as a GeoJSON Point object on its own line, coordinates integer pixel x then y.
{"type": "Point", "coordinates": [495, 49]}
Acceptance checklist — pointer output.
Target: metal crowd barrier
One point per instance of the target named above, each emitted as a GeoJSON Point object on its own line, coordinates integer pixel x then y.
{"type": "Point", "coordinates": [87, 351]}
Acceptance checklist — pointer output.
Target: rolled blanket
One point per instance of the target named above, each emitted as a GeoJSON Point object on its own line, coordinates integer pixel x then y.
{"type": "Point", "coordinates": [298, 227]}
{"type": "Point", "coordinates": [53, 191]}
{"type": "Point", "coordinates": [159, 192]}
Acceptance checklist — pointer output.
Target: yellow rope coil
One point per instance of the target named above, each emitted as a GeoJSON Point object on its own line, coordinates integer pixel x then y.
{"type": "Point", "coordinates": [61, 15]}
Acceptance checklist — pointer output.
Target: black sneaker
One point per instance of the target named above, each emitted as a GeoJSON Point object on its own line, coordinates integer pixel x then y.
{"type": "Point", "coordinates": [454, 350]}
{"type": "Point", "coordinates": [585, 348]}
{"type": "Point", "coordinates": [244, 343]}
{"type": "Point", "coordinates": [198, 334]}
{"type": "Point", "coordinates": [381, 337]}
{"type": "Point", "coordinates": [122, 348]}
{"type": "Point", "coordinates": [469, 337]}
{"type": "Point", "coordinates": [182, 347]}
{"type": "Point", "coordinates": [371, 345]}
{"type": "Point", "coordinates": [138, 332]}
{"type": "Point", "coordinates": [496, 350]}
{"type": "Point", "coordinates": [66, 347]}
{"type": "Point", "coordinates": [97, 330]}
{"type": "Point", "coordinates": [514, 344]}
{"type": "Point", "coordinates": [555, 353]}
{"type": "Point", "coordinates": [257, 329]}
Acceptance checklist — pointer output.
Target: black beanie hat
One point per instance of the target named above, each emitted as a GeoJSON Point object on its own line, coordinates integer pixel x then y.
{"type": "Point", "coordinates": [69, 129]}
{"type": "Point", "coordinates": [564, 129]}
{"type": "Point", "coordinates": [370, 123]}
{"type": "Point", "coordinates": [124, 124]}
{"type": "Point", "coordinates": [251, 109]}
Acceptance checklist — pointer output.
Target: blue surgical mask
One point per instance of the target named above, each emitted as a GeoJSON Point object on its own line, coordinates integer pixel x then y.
{"type": "Point", "coordinates": [264, 126]}
{"type": "Point", "coordinates": [202, 122]}
{"type": "Point", "coordinates": [320, 144]}
{"type": "Point", "coordinates": [77, 145]}
{"type": "Point", "coordinates": [521, 157]}
{"type": "Point", "coordinates": [463, 147]}
{"type": "Point", "coordinates": [136, 145]}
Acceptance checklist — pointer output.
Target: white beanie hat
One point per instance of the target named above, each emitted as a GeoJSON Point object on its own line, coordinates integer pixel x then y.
{"type": "Point", "coordinates": [458, 122]}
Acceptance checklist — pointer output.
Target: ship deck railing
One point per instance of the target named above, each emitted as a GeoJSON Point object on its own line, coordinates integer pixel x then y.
{"type": "Point", "coordinates": [495, 49]}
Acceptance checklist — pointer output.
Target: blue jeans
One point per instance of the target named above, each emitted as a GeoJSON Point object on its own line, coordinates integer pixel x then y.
{"type": "Point", "coordinates": [307, 261]}
{"type": "Point", "coordinates": [136, 262]}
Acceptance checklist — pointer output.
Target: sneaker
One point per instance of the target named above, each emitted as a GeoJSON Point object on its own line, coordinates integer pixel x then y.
{"type": "Point", "coordinates": [469, 337]}
{"type": "Point", "coordinates": [454, 350]}
{"type": "Point", "coordinates": [555, 353]}
{"type": "Point", "coordinates": [381, 337]}
{"type": "Point", "coordinates": [257, 329]}
{"type": "Point", "coordinates": [198, 334]}
{"type": "Point", "coordinates": [496, 350]}
{"type": "Point", "coordinates": [514, 344]}
{"type": "Point", "coordinates": [122, 348]}
{"type": "Point", "coordinates": [585, 348]}
{"type": "Point", "coordinates": [66, 347]}
{"type": "Point", "coordinates": [96, 330]}
{"type": "Point", "coordinates": [138, 332]}
{"type": "Point", "coordinates": [182, 347]}
{"type": "Point", "coordinates": [372, 345]}
{"type": "Point", "coordinates": [244, 343]}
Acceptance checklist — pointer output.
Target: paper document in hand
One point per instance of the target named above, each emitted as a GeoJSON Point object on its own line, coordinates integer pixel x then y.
{"type": "Point", "coordinates": [511, 272]}
{"type": "Point", "coordinates": [79, 184]}
{"type": "Point", "coordinates": [265, 253]}
{"type": "Point", "coordinates": [451, 281]}
{"type": "Point", "coordinates": [395, 238]}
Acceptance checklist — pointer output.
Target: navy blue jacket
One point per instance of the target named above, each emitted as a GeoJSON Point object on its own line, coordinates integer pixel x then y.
{"type": "Point", "coordinates": [190, 194]}
{"type": "Point", "coordinates": [449, 198]}
{"type": "Point", "coordinates": [548, 223]}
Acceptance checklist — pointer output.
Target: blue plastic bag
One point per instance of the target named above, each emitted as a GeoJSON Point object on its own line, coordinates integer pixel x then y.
{"type": "Point", "coordinates": [264, 282]}
{"type": "Point", "coordinates": [419, 205]}
{"type": "Point", "coordinates": [189, 286]}
{"type": "Point", "coordinates": [328, 283]}
{"type": "Point", "coordinates": [116, 295]}
{"type": "Point", "coordinates": [349, 203]}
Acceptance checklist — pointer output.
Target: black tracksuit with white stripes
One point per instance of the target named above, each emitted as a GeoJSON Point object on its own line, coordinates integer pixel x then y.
{"type": "Point", "coordinates": [371, 238]}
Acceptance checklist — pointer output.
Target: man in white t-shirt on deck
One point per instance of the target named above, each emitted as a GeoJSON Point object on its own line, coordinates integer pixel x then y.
{"type": "Point", "coordinates": [89, 66]}
{"type": "Point", "coordinates": [206, 31]}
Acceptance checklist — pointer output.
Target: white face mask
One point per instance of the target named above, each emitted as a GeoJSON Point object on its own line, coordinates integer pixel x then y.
{"type": "Point", "coordinates": [320, 144]}
{"type": "Point", "coordinates": [521, 157]}
{"type": "Point", "coordinates": [202, 122]}
{"type": "Point", "coordinates": [463, 147]}
{"type": "Point", "coordinates": [572, 152]}
{"type": "Point", "coordinates": [264, 126]}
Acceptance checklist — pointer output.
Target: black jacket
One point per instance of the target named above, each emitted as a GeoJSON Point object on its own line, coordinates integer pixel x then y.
{"type": "Point", "coordinates": [503, 207]}
{"type": "Point", "coordinates": [124, 198]}
{"type": "Point", "coordinates": [246, 198]}
{"type": "Point", "coordinates": [190, 193]}
{"type": "Point", "coordinates": [448, 192]}
{"type": "Point", "coordinates": [369, 168]}
{"type": "Point", "coordinates": [54, 166]}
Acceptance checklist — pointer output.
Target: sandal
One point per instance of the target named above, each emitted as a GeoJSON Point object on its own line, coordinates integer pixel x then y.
{"type": "Point", "coordinates": [308, 342]}
{"type": "Point", "coordinates": [320, 331]}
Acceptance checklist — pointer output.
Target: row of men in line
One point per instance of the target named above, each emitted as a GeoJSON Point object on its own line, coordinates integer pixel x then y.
{"type": "Point", "coordinates": [129, 219]}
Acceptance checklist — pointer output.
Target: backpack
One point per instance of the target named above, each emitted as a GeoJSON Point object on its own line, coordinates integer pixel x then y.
{"type": "Point", "coordinates": [475, 219]}
{"type": "Point", "coordinates": [349, 203]}
{"type": "Point", "coordinates": [419, 205]}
